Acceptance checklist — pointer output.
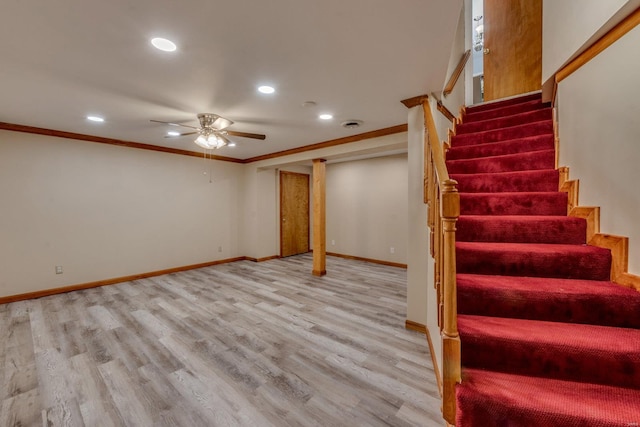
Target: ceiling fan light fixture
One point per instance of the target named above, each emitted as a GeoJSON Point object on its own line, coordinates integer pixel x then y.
{"type": "Point", "coordinates": [222, 123]}
{"type": "Point", "coordinates": [211, 141]}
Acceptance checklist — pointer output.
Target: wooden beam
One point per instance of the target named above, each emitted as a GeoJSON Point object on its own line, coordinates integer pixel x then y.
{"type": "Point", "coordinates": [319, 218]}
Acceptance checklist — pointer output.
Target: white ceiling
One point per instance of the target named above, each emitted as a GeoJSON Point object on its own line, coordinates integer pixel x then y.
{"type": "Point", "coordinates": [62, 60]}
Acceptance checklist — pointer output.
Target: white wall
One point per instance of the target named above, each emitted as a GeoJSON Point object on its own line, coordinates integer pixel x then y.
{"type": "Point", "coordinates": [456, 98]}
{"type": "Point", "coordinates": [599, 136]}
{"type": "Point", "coordinates": [103, 211]}
{"type": "Point", "coordinates": [259, 233]}
{"type": "Point", "coordinates": [569, 24]}
{"type": "Point", "coordinates": [419, 262]}
{"type": "Point", "coordinates": [367, 208]}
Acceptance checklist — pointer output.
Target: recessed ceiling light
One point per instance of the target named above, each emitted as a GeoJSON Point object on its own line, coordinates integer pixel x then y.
{"type": "Point", "coordinates": [95, 118]}
{"type": "Point", "coordinates": [266, 89]}
{"type": "Point", "coordinates": [231, 144]}
{"type": "Point", "coordinates": [173, 133]}
{"type": "Point", "coordinates": [325, 116]}
{"type": "Point", "coordinates": [163, 44]}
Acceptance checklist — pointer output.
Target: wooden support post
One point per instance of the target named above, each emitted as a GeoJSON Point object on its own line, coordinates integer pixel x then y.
{"type": "Point", "coordinates": [319, 218]}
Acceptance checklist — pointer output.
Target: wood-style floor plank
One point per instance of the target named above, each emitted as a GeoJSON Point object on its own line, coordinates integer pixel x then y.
{"type": "Point", "coordinates": [240, 344]}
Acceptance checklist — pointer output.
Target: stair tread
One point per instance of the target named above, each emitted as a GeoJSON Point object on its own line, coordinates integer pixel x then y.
{"type": "Point", "coordinates": [539, 180]}
{"type": "Point", "coordinates": [514, 203]}
{"type": "Point", "coordinates": [496, 112]}
{"type": "Point", "coordinates": [572, 288]}
{"type": "Point", "coordinates": [530, 160]}
{"type": "Point", "coordinates": [521, 229]}
{"type": "Point", "coordinates": [598, 338]}
{"type": "Point", "coordinates": [538, 142]}
{"type": "Point", "coordinates": [491, 398]}
{"type": "Point", "coordinates": [490, 105]}
{"type": "Point", "coordinates": [505, 121]}
{"type": "Point", "coordinates": [532, 247]}
{"type": "Point", "coordinates": [534, 259]}
{"type": "Point", "coordinates": [495, 135]}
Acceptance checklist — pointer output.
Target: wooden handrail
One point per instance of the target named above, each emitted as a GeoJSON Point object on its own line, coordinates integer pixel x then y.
{"type": "Point", "coordinates": [456, 73]}
{"type": "Point", "coordinates": [443, 213]}
{"type": "Point", "coordinates": [436, 148]}
{"type": "Point", "coordinates": [445, 111]}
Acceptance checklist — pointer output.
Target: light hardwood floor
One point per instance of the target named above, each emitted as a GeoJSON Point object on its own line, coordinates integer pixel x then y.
{"type": "Point", "coordinates": [240, 344]}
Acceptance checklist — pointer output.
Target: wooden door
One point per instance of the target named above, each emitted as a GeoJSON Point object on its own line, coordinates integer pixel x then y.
{"type": "Point", "coordinates": [512, 47]}
{"type": "Point", "coordinates": [294, 213]}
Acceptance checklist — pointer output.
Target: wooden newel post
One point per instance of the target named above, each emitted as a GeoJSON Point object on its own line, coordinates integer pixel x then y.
{"type": "Point", "coordinates": [450, 211]}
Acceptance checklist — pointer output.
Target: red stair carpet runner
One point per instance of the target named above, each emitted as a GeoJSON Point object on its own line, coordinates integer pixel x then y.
{"type": "Point", "coordinates": [547, 340]}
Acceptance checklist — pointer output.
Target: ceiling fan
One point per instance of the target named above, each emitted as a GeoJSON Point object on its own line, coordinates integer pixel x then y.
{"type": "Point", "coordinates": [212, 132]}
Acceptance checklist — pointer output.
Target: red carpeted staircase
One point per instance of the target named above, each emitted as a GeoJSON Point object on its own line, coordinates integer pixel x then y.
{"type": "Point", "coordinates": [547, 340]}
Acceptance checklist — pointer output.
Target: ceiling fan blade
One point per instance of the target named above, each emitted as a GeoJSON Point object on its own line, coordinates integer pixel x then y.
{"type": "Point", "coordinates": [174, 124]}
{"type": "Point", "coordinates": [182, 134]}
{"type": "Point", "coordinates": [246, 134]}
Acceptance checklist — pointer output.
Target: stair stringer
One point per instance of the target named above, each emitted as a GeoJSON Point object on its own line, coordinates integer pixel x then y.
{"type": "Point", "coordinates": [618, 245]}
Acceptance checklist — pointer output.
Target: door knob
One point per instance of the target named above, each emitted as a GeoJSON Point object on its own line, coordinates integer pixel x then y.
{"type": "Point", "coordinates": [486, 51]}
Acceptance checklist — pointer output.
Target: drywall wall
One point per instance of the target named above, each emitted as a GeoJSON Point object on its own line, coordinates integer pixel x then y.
{"type": "Point", "coordinates": [456, 98]}
{"type": "Point", "coordinates": [259, 233]}
{"type": "Point", "coordinates": [419, 263]}
{"type": "Point", "coordinates": [599, 136]}
{"type": "Point", "coordinates": [568, 25]}
{"type": "Point", "coordinates": [367, 208]}
{"type": "Point", "coordinates": [102, 211]}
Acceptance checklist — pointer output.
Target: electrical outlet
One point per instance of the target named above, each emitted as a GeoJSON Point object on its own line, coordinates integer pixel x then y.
{"type": "Point", "coordinates": [219, 248]}
{"type": "Point", "coordinates": [392, 250]}
{"type": "Point", "coordinates": [58, 269]}
{"type": "Point", "coordinates": [333, 243]}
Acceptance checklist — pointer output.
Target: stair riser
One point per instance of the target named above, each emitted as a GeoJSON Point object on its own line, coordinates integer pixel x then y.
{"type": "Point", "coordinates": [562, 230]}
{"type": "Point", "coordinates": [503, 122]}
{"type": "Point", "coordinates": [514, 132]}
{"type": "Point", "coordinates": [537, 143]}
{"type": "Point", "coordinates": [513, 204]}
{"type": "Point", "coordinates": [554, 263]}
{"type": "Point", "coordinates": [539, 181]}
{"type": "Point", "coordinates": [561, 362]}
{"type": "Point", "coordinates": [536, 160]}
{"type": "Point", "coordinates": [552, 307]}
